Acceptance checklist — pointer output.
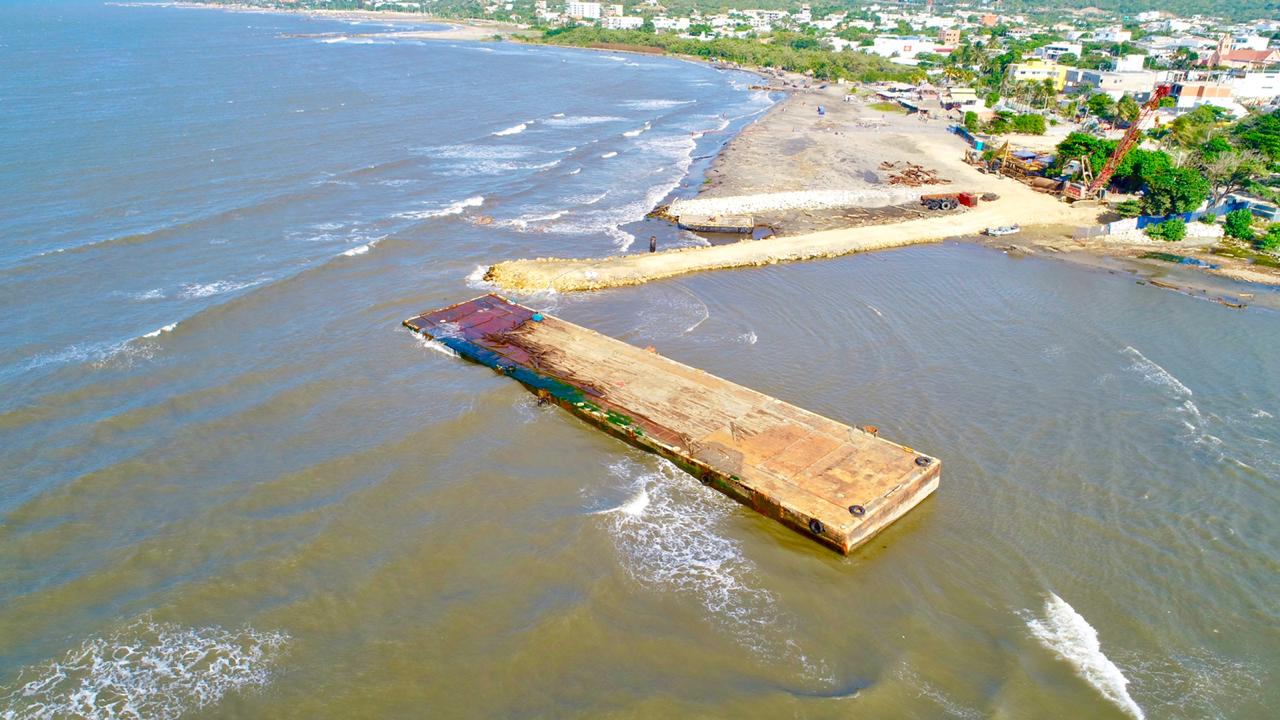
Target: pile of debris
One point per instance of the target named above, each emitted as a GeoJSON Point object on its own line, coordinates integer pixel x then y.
{"type": "Point", "coordinates": [913, 175]}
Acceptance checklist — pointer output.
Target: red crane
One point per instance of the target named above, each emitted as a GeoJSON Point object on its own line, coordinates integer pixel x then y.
{"type": "Point", "coordinates": [1078, 191]}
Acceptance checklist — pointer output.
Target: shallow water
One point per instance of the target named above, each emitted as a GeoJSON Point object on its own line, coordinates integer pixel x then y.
{"type": "Point", "coordinates": [222, 456]}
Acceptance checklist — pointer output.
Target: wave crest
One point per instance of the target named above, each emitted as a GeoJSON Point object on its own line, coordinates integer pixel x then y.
{"type": "Point", "coordinates": [1072, 638]}
{"type": "Point", "coordinates": [147, 670]}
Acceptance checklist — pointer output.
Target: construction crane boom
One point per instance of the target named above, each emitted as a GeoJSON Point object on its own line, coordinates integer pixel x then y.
{"type": "Point", "coordinates": [1127, 142]}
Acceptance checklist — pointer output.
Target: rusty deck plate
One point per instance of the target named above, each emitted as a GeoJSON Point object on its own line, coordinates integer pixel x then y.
{"type": "Point", "coordinates": [837, 484]}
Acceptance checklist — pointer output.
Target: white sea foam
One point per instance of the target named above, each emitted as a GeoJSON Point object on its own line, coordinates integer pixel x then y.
{"type": "Point", "coordinates": [656, 104]}
{"type": "Point", "coordinates": [749, 337]}
{"type": "Point", "coordinates": [494, 167]}
{"type": "Point", "coordinates": [435, 346]}
{"type": "Point", "coordinates": [580, 120]}
{"type": "Point", "coordinates": [357, 250]}
{"type": "Point", "coordinates": [218, 287]}
{"type": "Point", "coordinates": [96, 354]}
{"type": "Point", "coordinates": [152, 294]}
{"type": "Point", "coordinates": [526, 223]}
{"type": "Point", "coordinates": [1155, 374]}
{"type": "Point", "coordinates": [160, 331]}
{"type": "Point", "coordinates": [637, 131]}
{"type": "Point", "coordinates": [468, 151]}
{"type": "Point", "coordinates": [456, 208]}
{"type": "Point", "coordinates": [475, 279]}
{"type": "Point", "coordinates": [586, 199]}
{"type": "Point", "coordinates": [677, 151]}
{"type": "Point", "coordinates": [575, 171]}
{"type": "Point", "coordinates": [668, 537]}
{"type": "Point", "coordinates": [926, 689]}
{"type": "Point", "coordinates": [156, 671]}
{"type": "Point", "coordinates": [1260, 413]}
{"type": "Point", "coordinates": [1072, 638]}
{"type": "Point", "coordinates": [610, 154]}
{"type": "Point", "coordinates": [513, 130]}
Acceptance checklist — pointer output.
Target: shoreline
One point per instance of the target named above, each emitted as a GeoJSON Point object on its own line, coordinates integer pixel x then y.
{"type": "Point", "coordinates": [745, 167]}
{"type": "Point", "coordinates": [458, 28]}
{"type": "Point", "coordinates": [846, 150]}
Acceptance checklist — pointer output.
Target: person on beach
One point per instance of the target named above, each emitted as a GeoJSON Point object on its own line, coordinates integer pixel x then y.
{"type": "Point", "coordinates": [653, 243]}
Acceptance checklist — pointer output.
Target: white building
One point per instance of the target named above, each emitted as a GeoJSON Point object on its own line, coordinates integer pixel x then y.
{"type": "Point", "coordinates": [1250, 42]}
{"type": "Point", "coordinates": [1139, 83]}
{"type": "Point", "coordinates": [1130, 63]}
{"type": "Point", "coordinates": [663, 23]}
{"type": "Point", "coordinates": [1256, 86]}
{"type": "Point", "coordinates": [900, 47]}
{"type": "Point", "coordinates": [1112, 35]}
{"type": "Point", "coordinates": [1055, 50]}
{"type": "Point", "coordinates": [623, 22]}
{"type": "Point", "coordinates": [584, 10]}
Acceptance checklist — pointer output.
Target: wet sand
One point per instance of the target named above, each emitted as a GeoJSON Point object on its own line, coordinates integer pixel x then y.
{"type": "Point", "coordinates": [852, 150]}
{"type": "Point", "coordinates": [792, 153]}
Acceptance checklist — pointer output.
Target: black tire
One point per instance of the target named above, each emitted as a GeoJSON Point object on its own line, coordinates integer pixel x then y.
{"type": "Point", "coordinates": [948, 204]}
{"type": "Point", "coordinates": [932, 204]}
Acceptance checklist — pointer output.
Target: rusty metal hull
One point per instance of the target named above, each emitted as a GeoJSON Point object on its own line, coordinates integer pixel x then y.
{"type": "Point", "coordinates": [831, 482]}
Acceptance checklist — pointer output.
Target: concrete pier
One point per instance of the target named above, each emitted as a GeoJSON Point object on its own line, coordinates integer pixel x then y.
{"type": "Point", "coordinates": [834, 483]}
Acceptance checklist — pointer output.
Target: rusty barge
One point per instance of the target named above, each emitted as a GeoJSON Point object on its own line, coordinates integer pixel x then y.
{"type": "Point", "coordinates": [834, 483]}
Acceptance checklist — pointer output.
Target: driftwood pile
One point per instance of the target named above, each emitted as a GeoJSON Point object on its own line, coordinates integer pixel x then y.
{"type": "Point", "coordinates": [912, 175]}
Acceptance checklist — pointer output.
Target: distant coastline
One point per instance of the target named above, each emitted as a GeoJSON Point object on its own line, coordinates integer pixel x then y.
{"type": "Point", "coordinates": [459, 29]}
{"type": "Point", "coordinates": [749, 165]}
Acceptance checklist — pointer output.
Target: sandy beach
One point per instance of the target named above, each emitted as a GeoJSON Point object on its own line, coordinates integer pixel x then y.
{"type": "Point", "coordinates": [825, 184]}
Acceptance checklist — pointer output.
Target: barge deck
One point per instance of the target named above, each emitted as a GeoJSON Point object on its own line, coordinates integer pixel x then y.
{"type": "Point", "coordinates": [834, 483]}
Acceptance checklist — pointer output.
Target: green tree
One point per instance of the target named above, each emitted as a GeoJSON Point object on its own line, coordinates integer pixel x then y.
{"type": "Point", "coordinates": [1270, 240]}
{"type": "Point", "coordinates": [1174, 190]}
{"type": "Point", "coordinates": [991, 99]}
{"type": "Point", "coordinates": [1229, 171]}
{"type": "Point", "coordinates": [1139, 165]}
{"type": "Point", "coordinates": [1128, 209]}
{"type": "Point", "coordinates": [1173, 230]}
{"type": "Point", "coordinates": [1127, 109]}
{"type": "Point", "coordinates": [1238, 224]}
{"type": "Point", "coordinates": [1101, 105]}
{"type": "Point", "coordinates": [971, 121]}
{"type": "Point", "coordinates": [1029, 124]}
{"type": "Point", "coordinates": [1192, 130]}
{"type": "Point", "coordinates": [1261, 133]}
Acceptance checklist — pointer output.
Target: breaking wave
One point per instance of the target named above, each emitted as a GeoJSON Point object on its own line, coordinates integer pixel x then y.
{"type": "Point", "coordinates": [610, 154]}
{"type": "Point", "coordinates": [218, 287]}
{"type": "Point", "coordinates": [513, 130]}
{"type": "Point", "coordinates": [637, 131]}
{"type": "Point", "coordinates": [159, 331]}
{"type": "Point", "coordinates": [1072, 638]}
{"type": "Point", "coordinates": [656, 104]}
{"type": "Point", "coordinates": [580, 120]}
{"type": "Point", "coordinates": [1154, 374]}
{"type": "Point", "coordinates": [147, 670]}
{"type": "Point", "coordinates": [667, 534]}
{"type": "Point", "coordinates": [456, 208]}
